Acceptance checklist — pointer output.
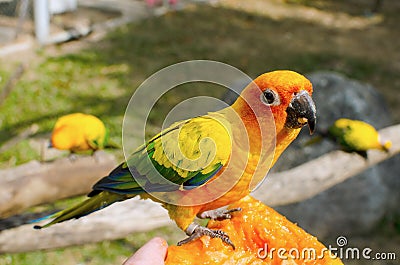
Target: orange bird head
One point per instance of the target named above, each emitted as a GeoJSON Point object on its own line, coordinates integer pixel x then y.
{"type": "Point", "coordinates": [285, 94]}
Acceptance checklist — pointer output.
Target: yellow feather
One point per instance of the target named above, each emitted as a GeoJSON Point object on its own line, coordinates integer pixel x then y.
{"type": "Point", "coordinates": [203, 142]}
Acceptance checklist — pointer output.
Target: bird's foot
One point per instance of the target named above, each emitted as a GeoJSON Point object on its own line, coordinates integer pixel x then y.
{"type": "Point", "coordinates": [96, 156]}
{"type": "Point", "coordinates": [72, 157]}
{"type": "Point", "coordinates": [218, 214]}
{"type": "Point", "coordinates": [195, 231]}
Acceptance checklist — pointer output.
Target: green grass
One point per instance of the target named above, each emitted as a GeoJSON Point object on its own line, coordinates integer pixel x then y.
{"type": "Point", "coordinates": [106, 252]}
{"type": "Point", "coordinates": [58, 86]}
{"type": "Point", "coordinates": [101, 80]}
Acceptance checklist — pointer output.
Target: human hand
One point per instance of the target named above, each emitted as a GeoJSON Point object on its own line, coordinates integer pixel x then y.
{"type": "Point", "coordinates": [151, 253]}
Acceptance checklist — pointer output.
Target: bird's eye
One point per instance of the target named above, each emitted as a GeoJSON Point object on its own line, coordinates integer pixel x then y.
{"type": "Point", "coordinates": [270, 98]}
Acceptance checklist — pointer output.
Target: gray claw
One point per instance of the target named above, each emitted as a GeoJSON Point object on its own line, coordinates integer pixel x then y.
{"type": "Point", "coordinates": [72, 157]}
{"type": "Point", "coordinates": [218, 214]}
{"type": "Point", "coordinates": [195, 231]}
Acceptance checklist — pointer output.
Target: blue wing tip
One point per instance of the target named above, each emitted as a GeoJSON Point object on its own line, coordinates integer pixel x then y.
{"type": "Point", "coordinates": [38, 220]}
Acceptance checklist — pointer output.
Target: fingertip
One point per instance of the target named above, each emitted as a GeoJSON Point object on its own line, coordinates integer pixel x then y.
{"type": "Point", "coordinates": [153, 252]}
{"type": "Point", "coordinates": [159, 245]}
{"type": "Point", "coordinates": [159, 241]}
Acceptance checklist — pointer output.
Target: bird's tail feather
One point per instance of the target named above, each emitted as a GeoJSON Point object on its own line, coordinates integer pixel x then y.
{"type": "Point", "coordinates": [386, 146]}
{"type": "Point", "coordinates": [108, 143]}
{"type": "Point", "coordinates": [97, 202]}
{"type": "Point", "coordinates": [111, 144]}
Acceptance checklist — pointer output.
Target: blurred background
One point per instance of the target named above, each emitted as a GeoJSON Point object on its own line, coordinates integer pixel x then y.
{"type": "Point", "coordinates": [60, 57]}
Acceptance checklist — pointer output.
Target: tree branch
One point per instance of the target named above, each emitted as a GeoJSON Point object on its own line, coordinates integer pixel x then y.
{"type": "Point", "coordinates": [36, 183]}
{"type": "Point", "coordinates": [115, 221]}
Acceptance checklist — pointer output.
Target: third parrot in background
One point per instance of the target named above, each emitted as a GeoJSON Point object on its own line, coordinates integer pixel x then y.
{"type": "Point", "coordinates": [357, 136]}
{"type": "Point", "coordinates": [78, 132]}
{"type": "Point", "coordinates": [204, 153]}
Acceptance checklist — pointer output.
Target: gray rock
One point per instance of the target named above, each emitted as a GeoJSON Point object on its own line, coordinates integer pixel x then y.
{"type": "Point", "coordinates": [352, 207]}
{"type": "Point", "coordinates": [358, 204]}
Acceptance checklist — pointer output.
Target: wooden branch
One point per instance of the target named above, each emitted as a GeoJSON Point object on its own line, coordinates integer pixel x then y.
{"type": "Point", "coordinates": [36, 183]}
{"type": "Point", "coordinates": [309, 179]}
{"type": "Point", "coordinates": [133, 215]}
{"type": "Point", "coordinates": [116, 221]}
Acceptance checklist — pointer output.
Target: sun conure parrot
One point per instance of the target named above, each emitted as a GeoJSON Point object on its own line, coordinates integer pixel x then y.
{"type": "Point", "coordinates": [280, 104]}
{"type": "Point", "coordinates": [78, 132]}
{"type": "Point", "coordinates": [357, 136]}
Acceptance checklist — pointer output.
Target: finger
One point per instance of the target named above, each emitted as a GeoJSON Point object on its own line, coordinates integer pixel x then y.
{"type": "Point", "coordinates": [152, 253]}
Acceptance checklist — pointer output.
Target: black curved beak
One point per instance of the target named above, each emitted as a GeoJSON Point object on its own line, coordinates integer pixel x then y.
{"type": "Point", "coordinates": [301, 111]}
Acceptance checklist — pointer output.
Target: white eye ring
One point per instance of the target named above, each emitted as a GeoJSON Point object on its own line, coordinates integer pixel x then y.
{"type": "Point", "coordinates": [270, 98]}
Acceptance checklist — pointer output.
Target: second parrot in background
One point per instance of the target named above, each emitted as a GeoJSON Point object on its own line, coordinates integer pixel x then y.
{"type": "Point", "coordinates": [357, 136]}
{"type": "Point", "coordinates": [78, 132]}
